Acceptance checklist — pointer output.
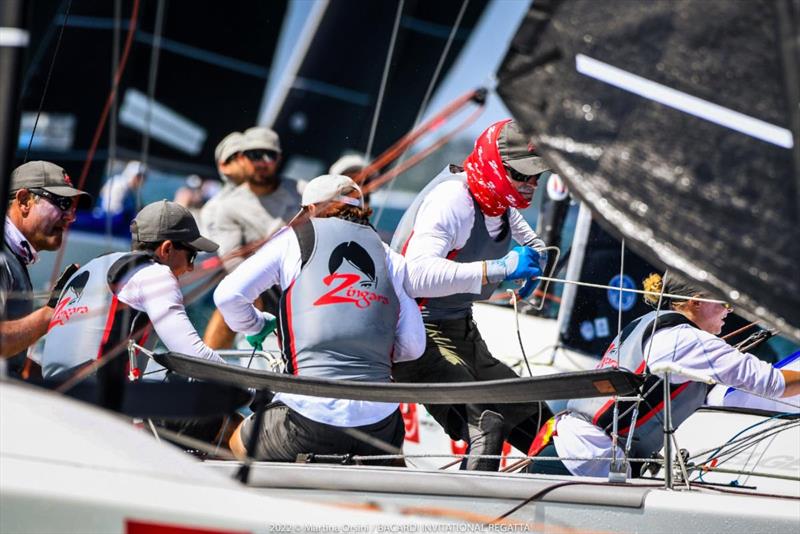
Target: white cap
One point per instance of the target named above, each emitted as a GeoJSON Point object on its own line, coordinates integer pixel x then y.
{"type": "Point", "coordinates": [348, 163]}
{"type": "Point", "coordinates": [230, 145]}
{"type": "Point", "coordinates": [330, 187]}
{"type": "Point", "coordinates": [262, 138]}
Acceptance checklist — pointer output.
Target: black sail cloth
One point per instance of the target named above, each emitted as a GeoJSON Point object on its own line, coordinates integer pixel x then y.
{"type": "Point", "coordinates": [698, 189]}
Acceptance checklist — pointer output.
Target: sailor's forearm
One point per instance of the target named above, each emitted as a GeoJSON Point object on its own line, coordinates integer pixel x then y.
{"type": "Point", "coordinates": [18, 335]}
{"type": "Point", "coordinates": [437, 277]}
{"type": "Point", "coordinates": [792, 380]}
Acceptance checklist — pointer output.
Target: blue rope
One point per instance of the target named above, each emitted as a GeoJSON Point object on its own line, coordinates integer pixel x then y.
{"type": "Point", "coordinates": [718, 449]}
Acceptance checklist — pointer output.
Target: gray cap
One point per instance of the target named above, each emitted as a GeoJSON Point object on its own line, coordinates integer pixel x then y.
{"type": "Point", "coordinates": [262, 138]}
{"type": "Point", "coordinates": [164, 220]}
{"type": "Point", "coordinates": [44, 175]}
{"type": "Point", "coordinates": [230, 145]}
{"type": "Point", "coordinates": [517, 151]}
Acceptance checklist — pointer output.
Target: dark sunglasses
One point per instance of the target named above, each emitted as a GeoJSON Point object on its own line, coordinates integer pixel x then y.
{"type": "Point", "coordinates": [62, 203]}
{"type": "Point", "coordinates": [192, 253]}
{"type": "Point", "coordinates": [519, 177]}
{"type": "Point", "coordinates": [261, 155]}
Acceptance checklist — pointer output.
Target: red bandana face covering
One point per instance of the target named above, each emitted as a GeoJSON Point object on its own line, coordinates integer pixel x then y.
{"type": "Point", "coordinates": [487, 179]}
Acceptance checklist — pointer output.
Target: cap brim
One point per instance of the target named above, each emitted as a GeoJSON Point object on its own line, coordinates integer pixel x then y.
{"type": "Point", "coordinates": [65, 191]}
{"type": "Point", "coordinates": [203, 244]}
{"type": "Point", "coordinates": [529, 166]}
{"type": "Point", "coordinates": [256, 144]}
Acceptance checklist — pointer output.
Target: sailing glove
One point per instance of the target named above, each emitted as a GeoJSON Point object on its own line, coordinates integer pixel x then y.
{"type": "Point", "coordinates": [257, 340]}
{"type": "Point", "coordinates": [63, 278]}
{"type": "Point", "coordinates": [520, 263]}
{"type": "Point", "coordinates": [530, 284]}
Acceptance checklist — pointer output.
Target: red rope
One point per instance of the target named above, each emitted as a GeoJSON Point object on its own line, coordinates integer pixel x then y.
{"type": "Point", "coordinates": [100, 127]}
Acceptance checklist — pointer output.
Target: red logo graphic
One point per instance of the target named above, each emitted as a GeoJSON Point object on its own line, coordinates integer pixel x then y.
{"type": "Point", "coordinates": [61, 314]}
{"type": "Point", "coordinates": [344, 293]}
{"type": "Point", "coordinates": [410, 421]}
{"type": "Point", "coordinates": [610, 358]}
{"type": "Point", "coordinates": [67, 179]}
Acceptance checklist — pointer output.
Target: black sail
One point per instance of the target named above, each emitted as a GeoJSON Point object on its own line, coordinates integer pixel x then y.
{"type": "Point", "coordinates": [677, 122]}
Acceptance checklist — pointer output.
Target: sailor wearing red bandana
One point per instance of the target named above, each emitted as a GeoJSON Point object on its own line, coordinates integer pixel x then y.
{"type": "Point", "coordinates": [456, 237]}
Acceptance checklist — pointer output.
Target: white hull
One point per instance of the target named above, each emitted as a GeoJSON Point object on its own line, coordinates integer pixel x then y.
{"type": "Point", "coordinates": [586, 505]}
{"type": "Point", "coordinates": [69, 467]}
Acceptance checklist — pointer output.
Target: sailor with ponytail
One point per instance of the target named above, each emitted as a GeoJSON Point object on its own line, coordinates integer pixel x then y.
{"type": "Point", "coordinates": [682, 331]}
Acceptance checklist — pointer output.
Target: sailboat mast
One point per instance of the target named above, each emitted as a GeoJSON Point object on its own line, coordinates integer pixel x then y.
{"type": "Point", "coordinates": [13, 39]}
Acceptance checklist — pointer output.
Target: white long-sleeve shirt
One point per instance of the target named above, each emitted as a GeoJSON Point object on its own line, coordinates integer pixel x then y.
{"type": "Point", "coordinates": [153, 289]}
{"type": "Point", "coordinates": [278, 262]}
{"type": "Point", "coordinates": [444, 223]}
{"type": "Point", "coordinates": [689, 347]}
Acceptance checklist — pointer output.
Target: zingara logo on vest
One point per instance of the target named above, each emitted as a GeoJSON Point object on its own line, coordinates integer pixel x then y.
{"type": "Point", "coordinates": [348, 286]}
{"type": "Point", "coordinates": [72, 295]}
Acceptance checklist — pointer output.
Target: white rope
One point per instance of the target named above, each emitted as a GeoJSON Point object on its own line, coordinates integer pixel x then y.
{"type": "Point", "coordinates": [378, 457]}
{"type": "Point", "coordinates": [112, 126]}
{"type": "Point", "coordinates": [625, 289]}
{"type": "Point", "coordinates": [153, 430]}
{"type": "Point", "coordinates": [428, 93]}
{"type": "Point", "coordinates": [384, 79]}
{"type": "Point", "coordinates": [621, 275]}
{"type": "Point", "coordinates": [151, 91]}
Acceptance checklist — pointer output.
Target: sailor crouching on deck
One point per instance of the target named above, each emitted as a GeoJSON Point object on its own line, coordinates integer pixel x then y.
{"type": "Point", "coordinates": [449, 235]}
{"type": "Point", "coordinates": [685, 334]}
{"type": "Point", "coordinates": [344, 313]}
{"type": "Point", "coordinates": [115, 295]}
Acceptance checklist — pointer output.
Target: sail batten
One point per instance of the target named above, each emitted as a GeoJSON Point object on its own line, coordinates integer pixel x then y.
{"type": "Point", "coordinates": [673, 121]}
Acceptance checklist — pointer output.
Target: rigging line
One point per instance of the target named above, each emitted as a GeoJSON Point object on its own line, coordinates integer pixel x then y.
{"type": "Point", "coordinates": [100, 127]}
{"type": "Point", "coordinates": [519, 336]}
{"type": "Point", "coordinates": [153, 430]}
{"type": "Point", "coordinates": [112, 128]}
{"type": "Point", "coordinates": [755, 465]}
{"type": "Point", "coordinates": [621, 274]}
{"type": "Point", "coordinates": [429, 91]}
{"type": "Point", "coordinates": [626, 290]}
{"type": "Point", "coordinates": [419, 156]}
{"type": "Point", "coordinates": [739, 331]}
{"type": "Point", "coordinates": [477, 96]}
{"type": "Point", "coordinates": [193, 443]}
{"type": "Point", "coordinates": [655, 323]}
{"type": "Point", "coordinates": [730, 455]}
{"type": "Point", "coordinates": [535, 497]}
{"type": "Point", "coordinates": [384, 78]}
{"type": "Point", "coordinates": [733, 440]}
{"type": "Point", "coordinates": [755, 439]}
{"type": "Point", "coordinates": [47, 80]}
{"type": "Point", "coordinates": [152, 77]}
{"type": "Point", "coordinates": [746, 441]}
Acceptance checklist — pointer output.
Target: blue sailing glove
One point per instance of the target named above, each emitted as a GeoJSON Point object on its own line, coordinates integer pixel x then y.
{"type": "Point", "coordinates": [520, 263]}
{"type": "Point", "coordinates": [257, 340]}
{"type": "Point", "coordinates": [530, 284]}
{"type": "Point", "coordinates": [543, 261]}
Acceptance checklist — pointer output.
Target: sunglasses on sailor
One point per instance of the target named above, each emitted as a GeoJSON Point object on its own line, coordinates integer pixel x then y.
{"type": "Point", "coordinates": [261, 155]}
{"type": "Point", "coordinates": [728, 306]}
{"type": "Point", "coordinates": [191, 253]}
{"type": "Point", "coordinates": [525, 178]}
{"type": "Point", "coordinates": [63, 203]}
